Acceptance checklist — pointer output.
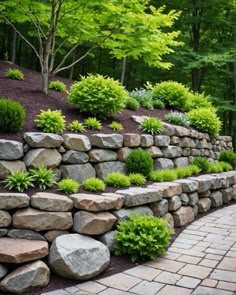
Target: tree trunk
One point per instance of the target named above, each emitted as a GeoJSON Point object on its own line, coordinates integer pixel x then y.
{"type": "Point", "coordinates": [234, 119]}
{"type": "Point", "coordinates": [13, 47]}
{"type": "Point", "coordinates": [124, 62]}
{"type": "Point", "coordinates": [44, 76]}
{"type": "Point", "coordinates": [196, 80]}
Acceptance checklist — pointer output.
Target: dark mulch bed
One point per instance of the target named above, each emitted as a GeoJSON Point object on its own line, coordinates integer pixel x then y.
{"type": "Point", "coordinates": [28, 93]}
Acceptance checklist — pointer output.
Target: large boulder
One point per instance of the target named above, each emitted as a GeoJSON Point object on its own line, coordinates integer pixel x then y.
{"type": "Point", "coordinates": [183, 216]}
{"type": "Point", "coordinates": [10, 201]}
{"type": "Point", "coordinates": [78, 172]}
{"type": "Point", "coordinates": [109, 141]}
{"type": "Point", "coordinates": [9, 167]}
{"type": "Point", "coordinates": [172, 151]}
{"type": "Point", "coordinates": [162, 140]}
{"type": "Point", "coordinates": [101, 155]}
{"type": "Point", "coordinates": [77, 142]}
{"type": "Point", "coordinates": [5, 218]}
{"type": "Point", "coordinates": [146, 140]}
{"type": "Point", "coordinates": [204, 183]}
{"type": "Point", "coordinates": [49, 158]}
{"type": "Point", "coordinates": [21, 250]}
{"type": "Point", "coordinates": [102, 169]}
{"type": "Point", "coordinates": [27, 277]}
{"type": "Point", "coordinates": [89, 223]}
{"type": "Point", "coordinates": [78, 257]}
{"type": "Point", "coordinates": [11, 150]}
{"type": "Point", "coordinates": [167, 189]}
{"type": "Point", "coordinates": [131, 140]}
{"type": "Point", "coordinates": [43, 140]}
{"type": "Point", "coordinates": [188, 186]}
{"type": "Point", "coordinates": [25, 234]}
{"type": "Point", "coordinates": [159, 208]}
{"type": "Point", "coordinates": [163, 164]}
{"type": "Point", "coordinates": [75, 157]}
{"type": "Point", "coordinates": [41, 220]}
{"type": "Point", "coordinates": [51, 202]}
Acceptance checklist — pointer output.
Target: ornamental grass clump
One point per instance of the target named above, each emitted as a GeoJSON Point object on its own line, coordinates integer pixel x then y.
{"type": "Point", "coordinates": [143, 237]}
{"type": "Point", "coordinates": [117, 179]}
{"type": "Point", "coordinates": [163, 175]}
{"type": "Point", "coordinates": [139, 161]}
{"type": "Point", "coordinates": [116, 126]}
{"type": "Point", "coordinates": [228, 156]}
{"type": "Point", "coordinates": [152, 125]}
{"type": "Point", "coordinates": [94, 185]}
{"type": "Point", "coordinates": [93, 123]}
{"type": "Point", "coordinates": [137, 178]}
{"type": "Point", "coordinates": [68, 185]}
{"type": "Point", "coordinates": [51, 121]}
{"type": "Point", "coordinates": [76, 126]}
{"type": "Point", "coordinates": [19, 181]}
{"type": "Point", "coordinates": [43, 177]}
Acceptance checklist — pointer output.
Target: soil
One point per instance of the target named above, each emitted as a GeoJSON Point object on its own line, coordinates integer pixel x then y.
{"type": "Point", "coordinates": [28, 93]}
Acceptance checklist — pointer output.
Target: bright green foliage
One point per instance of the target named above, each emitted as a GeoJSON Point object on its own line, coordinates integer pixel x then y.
{"type": "Point", "coordinates": [51, 121]}
{"type": "Point", "coordinates": [12, 115]}
{"type": "Point", "coordinates": [68, 185]}
{"type": "Point", "coordinates": [43, 177]}
{"type": "Point", "coordinates": [205, 120]}
{"type": "Point", "coordinates": [93, 123]}
{"type": "Point", "coordinates": [142, 236]}
{"type": "Point", "coordinates": [76, 126]}
{"type": "Point", "coordinates": [98, 95]}
{"type": "Point", "coordinates": [158, 104]}
{"type": "Point", "coordinates": [172, 93]}
{"type": "Point", "coordinates": [57, 85]}
{"type": "Point", "coordinates": [187, 171]}
{"type": "Point", "coordinates": [132, 104]}
{"type": "Point", "coordinates": [14, 74]}
{"type": "Point", "coordinates": [198, 100]}
{"type": "Point", "coordinates": [202, 163]}
{"type": "Point", "coordinates": [177, 118]}
{"type": "Point", "coordinates": [94, 185]}
{"type": "Point", "coordinates": [229, 157]}
{"type": "Point", "coordinates": [152, 125]}
{"type": "Point", "coordinates": [137, 178]}
{"type": "Point", "coordinates": [117, 179]}
{"type": "Point", "coordinates": [139, 161]}
{"type": "Point", "coordinates": [219, 167]}
{"type": "Point", "coordinates": [226, 166]}
{"type": "Point", "coordinates": [116, 126]}
{"type": "Point", "coordinates": [19, 181]}
{"type": "Point", "coordinates": [163, 175]}
{"type": "Point", "coordinates": [144, 97]}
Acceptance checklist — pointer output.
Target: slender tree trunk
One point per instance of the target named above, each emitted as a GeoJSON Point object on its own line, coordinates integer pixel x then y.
{"type": "Point", "coordinates": [124, 63]}
{"type": "Point", "coordinates": [196, 80]}
{"type": "Point", "coordinates": [44, 76]}
{"type": "Point", "coordinates": [72, 68]}
{"type": "Point", "coordinates": [13, 47]}
{"type": "Point", "coordinates": [234, 120]}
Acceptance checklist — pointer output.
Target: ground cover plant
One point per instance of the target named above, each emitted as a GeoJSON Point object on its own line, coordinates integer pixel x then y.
{"type": "Point", "coordinates": [93, 123]}
{"type": "Point", "coordinates": [137, 178]}
{"type": "Point", "coordinates": [57, 85]}
{"type": "Point", "coordinates": [14, 74]}
{"type": "Point", "coordinates": [68, 185]}
{"type": "Point", "coordinates": [152, 125]}
{"type": "Point", "coordinates": [116, 126]}
{"type": "Point", "coordinates": [117, 179]}
{"type": "Point", "coordinates": [76, 126]}
{"type": "Point", "coordinates": [51, 121]}
{"type": "Point", "coordinates": [229, 157]}
{"type": "Point", "coordinates": [94, 184]}
{"type": "Point", "coordinates": [177, 118]}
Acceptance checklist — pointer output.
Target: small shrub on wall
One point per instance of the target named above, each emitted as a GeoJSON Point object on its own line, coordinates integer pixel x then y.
{"type": "Point", "coordinates": [51, 121]}
{"type": "Point", "coordinates": [139, 161]}
{"type": "Point", "coordinates": [14, 74]}
{"type": "Point", "coordinates": [229, 157]}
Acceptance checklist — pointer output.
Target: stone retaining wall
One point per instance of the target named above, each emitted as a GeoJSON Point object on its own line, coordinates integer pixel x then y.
{"type": "Point", "coordinates": [80, 157]}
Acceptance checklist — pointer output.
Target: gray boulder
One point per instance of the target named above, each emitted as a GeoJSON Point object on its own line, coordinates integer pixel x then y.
{"type": "Point", "coordinates": [188, 186]}
{"type": "Point", "coordinates": [123, 214]}
{"type": "Point", "coordinates": [102, 169]}
{"type": "Point", "coordinates": [181, 162]}
{"type": "Point", "coordinates": [204, 205]}
{"type": "Point", "coordinates": [101, 155]}
{"type": "Point", "coordinates": [184, 199]}
{"type": "Point", "coordinates": [110, 141]}
{"type": "Point", "coordinates": [193, 199]}
{"type": "Point", "coordinates": [75, 157]}
{"type": "Point", "coordinates": [216, 199]}
{"type": "Point", "coordinates": [159, 208]}
{"type": "Point", "coordinates": [109, 240]}
{"type": "Point", "coordinates": [78, 172]}
{"type": "Point", "coordinates": [163, 164]}
{"type": "Point", "coordinates": [154, 151]}
{"type": "Point", "coordinates": [162, 140]}
{"type": "Point", "coordinates": [146, 140]}
{"type": "Point", "coordinates": [123, 153]}
{"type": "Point", "coordinates": [77, 142]}
{"type": "Point", "coordinates": [5, 219]}
{"type": "Point", "coordinates": [78, 257]}
{"type": "Point", "coordinates": [8, 167]}
{"type": "Point", "coordinates": [172, 151]}
{"type": "Point", "coordinates": [43, 140]}
{"type": "Point", "coordinates": [131, 140]}
{"type": "Point", "coordinates": [25, 234]}
{"type": "Point", "coordinates": [174, 203]}
{"type": "Point", "coordinates": [49, 158]}
{"type": "Point", "coordinates": [10, 201]}
{"type": "Point", "coordinates": [11, 150]}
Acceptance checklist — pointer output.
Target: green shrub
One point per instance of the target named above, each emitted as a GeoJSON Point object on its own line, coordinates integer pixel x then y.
{"type": "Point", "coordinates": [158, 104]}
{"type": "Point", "coordinates": [228, 156]}
{"type": "Point", "coordinates": [68, 185]}
{"type": "Point", "coordinates": [98, 95]}
{"type": "Point", "coordinates": [163, 175]}
{"type": "Point", "coordinates": [137, 178]}
{"type": "Point", "coordinates": [172, 94]}
{"type": "Point", "coordinates": [93, 123]}
{"type": "Point", "coordinates": [57, 85]}
{"type": "Point", "coordinates": [215, 168]}
{"type": "Point", "coordinates": [142, 236]}
{"type": "Point", "coordinates": [148, 105]}
{"type": "Point", "coordinates": [51, 121]}
{"type": "Point", "coordinates": [226, 166]}
{"type": "Point", "coordinates": [177, 118]}
{"type": "Point", "coordinates": [143, 96]}
{"type": "Point", "coordinates": [43, 177]}
{"type": "Point", "coordinates": [19, 181]}
{"type": "Point", "coordinates": [117, 179]}
{"type": "Point", "coordinates": [205, 120]}
{"type": "Point", "coordinates": [194, 169]}
{"type": "Point", "coordinates": [187, 171]}
{"type": "Point", "coordinates": [152, 125]}
{"type": "Point", "coordinates": [14, 74]}
{"type": "Point", "coordinates": [132, 104]}
{"type": "Point", "coordinates": [94, 185]}
{"type": "Point", "coordinates": [116, 126]}
{"type": "Point", "coordinates": [76, 126]}
{"type": "Point", "coordinates": [202, 163]}
{"type": "Point", "coordinates": [12, 115]}
{"type": "Point", "coordinates": [198, 100]}
{"type": "Point", "coordinates": [139, 161]}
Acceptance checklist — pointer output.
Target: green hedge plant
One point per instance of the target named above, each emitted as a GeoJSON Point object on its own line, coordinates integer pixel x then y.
{"type": "Point", "coordinates": [117, 179]}
{"type": "Point", "coordinates": [202, 163]}
{"type": "Point", "coordinates": [139, 161]}
{"type": "Point", "coordinates": [198, 100]}
{"type": "Point", "coordinates": [14, 74]}
{"type": "Point", "coordinates": [132, 104]}
{"type": "Point", "coordinates": [51, 121]}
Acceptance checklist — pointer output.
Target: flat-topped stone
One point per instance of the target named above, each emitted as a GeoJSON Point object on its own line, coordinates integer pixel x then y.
{"type": "Point", "coordinates": [188, 185]}
{"type": "Point", "coordinates": [25, 234]}
{"type": "Point", "coordinates": [20, 250]}
{"type": "Point", "coordinates": [11, 149]}
{"type": "Point", "coordinates": [77, 142]}
{"type": "Point", "coordinates": [51, 202]}
{"type": "Point", "coordinates": [90, 202]}
{"type": "Point", "coordinates": [204, 183]}
{"type": "Point", "coordinates": [136, 196]}
{"type": "Point", "coordinates": [75, 157]}
{"type": "Point", "coordinates": [101, 155]}
{"type": "Point", "coordinates": [168, 189]}
{"type": "Point", "coordinates": [110, 141]}
{"type": "Point", "coordinates": [41, 220]}
{"type": "Point", "coordinates": [78, 172]}
{"type": "Point", "coordinates": [43, 140]}
{"type": "Point", "coordinates": [10, 200]}
{"type": "Point", "coordinates": [49, 158]}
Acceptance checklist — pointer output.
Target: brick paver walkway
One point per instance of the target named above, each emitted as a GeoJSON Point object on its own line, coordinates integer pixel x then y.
{"type": "Point", "coordinates": [201, 261]}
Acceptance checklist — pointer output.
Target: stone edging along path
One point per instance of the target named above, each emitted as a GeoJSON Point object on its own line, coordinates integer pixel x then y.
{"type": "Point", "coordinates": [201, 261]}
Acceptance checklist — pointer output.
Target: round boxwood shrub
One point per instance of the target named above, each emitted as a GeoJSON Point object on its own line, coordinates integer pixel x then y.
{"type": "Point", "coordinates": [198, 100]}
{"type": "Point", "coordinates": [96, 94]}
{"type": "Point", "coordinates": [139, 161]}
{"type": "Point", "coordinates": [12, 115]}
{"type": "Point", "coordinates": [172, 94]}
{"type": "Point", "coordinates": [205, 120]}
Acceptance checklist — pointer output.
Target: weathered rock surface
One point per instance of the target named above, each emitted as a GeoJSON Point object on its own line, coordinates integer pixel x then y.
{"type": "Point", "coordinates": [172, 151]}
{"type": "Point", "coordinates": [131, 140]}
{"type": "Point", "coordinates": [10, 149]}
{"type": "Point", "coordinates": [110, 141]}
{"type": "Point", "coordinates": [123, 214]}
{"type": "Point", "coordinates": [109, 240]}
{"type": "Point", "coordinates": [169, 218]}
{"type": "Point", "coordinates": [43, 140]}
{"type": "Point", "coordinates": [193, 199]}
{"type": "Point", "coordinates": [49, 158]}
{"type": "Point", "coordinates": [41, 220]}
{"type": "Point", "coordinates": [101, 155]}
{"type": "Point", "coordinates": [181, 162]}
{"type": "Point", "coordinates": [51, 202]}
{"type": "Point", "coordinates": [204, 205]}
{"type": "Point", "coordinates": [26, 278]}
{"type": "Point", "coordinates": [204, 183]}
{"type": "Point", "coordinates": [78, 257]}
{"type": "Point", "coordinates": [25, 234]}
{"type": "Point", "coordinates": [227, 194]}
{"type": "Point", "coordinates": [174, 203]}
{"type": "Point", "coordinates": [93, 223]}
{"type": "Point", "coordinates": [90, 202]}
{"type": "Point", "coordinates": [183, 216]}
{"type": "Point", "coordinates": [159, 208]}
{"type": "Point", "coordinates": [154, 151]}
{"type": "Point", "coordinates": [75, 157]}
{"type": "Point", "coordinates": [163, 164]}
{"type": "Point", "coordinates": [8, 167]}
{"type": "Point", "coordinates": [10, 201]}
{"type": "Point", "coordinates": [216, 199]}
{"type": "Point", "coordinates": [3, 232]}
{"type": "Point", "coordinates": [77, 142]}
{"type": "Point", "coordinates": [184, 199]}
{"type": "Point", "coordinates": [167, 189]}
{"type": "Point", "coordinates": [5, 218]}
{"type": "Point", "coordinates": [102, 169]}
{"type": "Point", "coordinates": [162, 140]}
{"type": "Point", "coordinates": [20, 250]}
{"type": "Point", "coordinates": [188, 186]}
{"type": "Point", "coordinates": [3, 270]}
{"type": "Point", "coordinates": [146, 140]}
{"type": "Point", "coordinates": [78, 172]}
{"type": "Point", "coordinates": [123, 153]}
{"type": "Point", "coordinates": [136, 196]}
{"type": "Point", "coordinates": [51, 235]}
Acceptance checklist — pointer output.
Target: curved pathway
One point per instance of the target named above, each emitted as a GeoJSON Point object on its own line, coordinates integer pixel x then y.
{"type": "Point", "coordinates": [201, 261]}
